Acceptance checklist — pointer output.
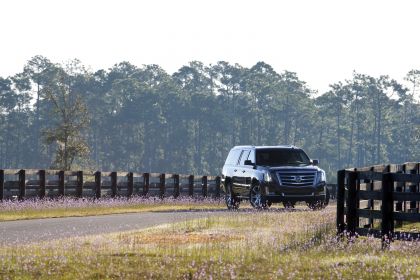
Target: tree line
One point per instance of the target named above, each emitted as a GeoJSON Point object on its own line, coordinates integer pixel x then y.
{"type": "Point", "coordinates": [145, 119]}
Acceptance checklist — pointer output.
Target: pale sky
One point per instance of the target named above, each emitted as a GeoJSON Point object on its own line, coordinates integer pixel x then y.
{"type": "Point", "coordinates": [323, 41]}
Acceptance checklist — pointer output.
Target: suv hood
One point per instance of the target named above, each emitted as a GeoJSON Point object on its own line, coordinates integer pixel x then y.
{"type": "Point", "coordinates": [295, 167]}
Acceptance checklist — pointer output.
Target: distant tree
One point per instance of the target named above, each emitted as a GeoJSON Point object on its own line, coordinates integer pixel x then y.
{"type": "Point", "coordinates": [146, 120]}
{"type": "Point", "coordinates": [413, 77]}
{"type": "Point", "coordinates": [70, 118]}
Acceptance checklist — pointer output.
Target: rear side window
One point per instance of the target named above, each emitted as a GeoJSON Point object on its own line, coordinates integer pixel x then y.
{"type": "Point", "coordinates": [233, 157]}
{"type": "Point", "coordinates": [244, 157]}
{"type": "Point", "coordinates": [251, 156]}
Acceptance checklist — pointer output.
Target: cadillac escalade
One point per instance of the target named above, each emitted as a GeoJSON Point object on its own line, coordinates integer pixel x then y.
{"type": "Point", "coordinates": [268, 174]}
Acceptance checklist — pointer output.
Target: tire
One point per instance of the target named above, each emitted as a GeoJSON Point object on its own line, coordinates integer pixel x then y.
{"type": "Point", "coordinates": [315, 205]}
{"type": "Point", "coordinates": [327, 197]}
{"type": "Point", "coordinates": [289, 204]}
{"type": "Point", "coordinates": [232, 202]}
{"type": "Point", "coordinates": [256, 198]}
{"type": "Point", "coordinates": [320, 204]}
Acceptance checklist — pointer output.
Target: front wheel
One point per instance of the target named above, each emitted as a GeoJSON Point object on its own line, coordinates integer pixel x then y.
{"type": "Point", "coordinates": [256, 199]}
{"type": "Point", "coordinates": [289, 204]}
{"type": "Point", "coordinates": [320, 204]}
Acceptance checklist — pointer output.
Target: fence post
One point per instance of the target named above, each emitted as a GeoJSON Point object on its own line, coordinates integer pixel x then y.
{"type": "Point", "coordinates": [79, 187]}
{"type": "Point", "coordinates": [352, 217]}
{"type": "Point", "coordinates": [130, 184]}
{"type": "Point", "coordinates": [176, 185]}
{"type": "Point", "coordinates": [113, 176]}
{"type": "Point", "coordinates": [400, 187]}
{"type": "Point", "coordinates": [418, 187]}
{"type": "Point", "coordinates": [371, 202]}
{"type": "Point", "coordinates": [41, 178]}
{"type": "Point", "coordinates": [204, 186]}
{"type": "Point", "coordinates": [162, 185]}
{"type": "Point", "coordinates": [414, 208]}
{"type": "Point", "coordinates": [1, 184]}
{"type": "Point", "coordinates": [61, 183]}
{"type": "Point", "coordinates": [22, 184]}
{"type": "Point", "coordinates": [98, 184]}
{"type": "Point", "coordinates": [146, 182]}
{"type": "Point", "coordinates": [340, 200]}
{"type": "Point", "coordinates": [217, 186]}
{"type": "Point", "coordinates": [387, 206]}
{"type": "Point", "coordinates": [191, 185]}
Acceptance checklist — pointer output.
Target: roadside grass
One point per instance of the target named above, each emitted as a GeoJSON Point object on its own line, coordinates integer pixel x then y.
{"type": "Point", "coordinates": [71, 207]}
{"type": "Point", "coordinates": [410, 226]}
{"type": "Point", "coordinates": [276, 244]}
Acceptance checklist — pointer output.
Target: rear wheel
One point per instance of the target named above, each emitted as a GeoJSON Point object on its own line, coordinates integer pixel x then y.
{"type": "Point", "coordinates": [256, 199]}
{"type": "Point", "coordinates": [232, 202]}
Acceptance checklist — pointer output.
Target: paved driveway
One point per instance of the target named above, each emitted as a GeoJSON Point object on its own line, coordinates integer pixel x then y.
{"type": "Point", "coordinates": [27, 231]}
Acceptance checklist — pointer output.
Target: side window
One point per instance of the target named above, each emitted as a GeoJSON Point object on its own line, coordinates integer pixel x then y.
{"type": "Point", "coordinates": [251, 156]}
{"type": "Point", "coordinates": [233, 157]}
{"type": "Point", "coordinates": [244, 156]}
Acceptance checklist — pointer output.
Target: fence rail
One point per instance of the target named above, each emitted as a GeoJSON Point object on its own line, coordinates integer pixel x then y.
{"type": "Point", "coordinates": [389, 193]}
{"type": "Point", "coordinates": [23, 183]}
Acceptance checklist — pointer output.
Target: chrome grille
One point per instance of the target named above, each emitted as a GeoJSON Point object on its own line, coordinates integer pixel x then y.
{"type": "Point", "coordinates": [297, 178]}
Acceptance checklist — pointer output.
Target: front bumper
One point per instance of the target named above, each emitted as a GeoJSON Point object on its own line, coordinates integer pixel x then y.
{"type": "Point", "coordinates": [276, 193]}
{"type": "Point", "coordinates": [290, 198]}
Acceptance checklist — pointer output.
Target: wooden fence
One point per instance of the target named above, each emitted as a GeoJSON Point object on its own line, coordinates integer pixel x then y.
{"type": "Point", "coordinates": [23, 183]}
{"type": "Point", "coordinates": [379, 200]}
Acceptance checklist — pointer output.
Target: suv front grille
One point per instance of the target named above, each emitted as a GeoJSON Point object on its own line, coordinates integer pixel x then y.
{"type": "Point", "coordinates": [297, 178]}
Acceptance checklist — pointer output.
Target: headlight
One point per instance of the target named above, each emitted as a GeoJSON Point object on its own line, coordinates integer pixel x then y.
{"type": "Point", "coordinates": [321, 177]}
{"type": "Point", "coordinates": [267, 176]}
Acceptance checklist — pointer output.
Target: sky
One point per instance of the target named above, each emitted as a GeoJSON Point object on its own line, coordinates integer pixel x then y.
{"type": "Point", "coordinates": [322, 41]}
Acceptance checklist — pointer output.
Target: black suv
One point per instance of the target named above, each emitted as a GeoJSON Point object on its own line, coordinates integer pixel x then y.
{"type": "Point", "coordinates": [267, 174]}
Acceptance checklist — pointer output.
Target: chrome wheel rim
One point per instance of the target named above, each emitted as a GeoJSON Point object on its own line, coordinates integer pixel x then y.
{"type": "Point", "coordinates": [256, 196]}
{"type": "Point", "coordinates": [228, 200]}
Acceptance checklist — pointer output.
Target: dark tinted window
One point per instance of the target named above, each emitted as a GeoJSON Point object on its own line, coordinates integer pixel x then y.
{"type": "Point", "coordinates": [244, 157]}
{"type": "Point", "coordinates": [233, 157]}
{"type": "Point", "coordinates": [277, 157]}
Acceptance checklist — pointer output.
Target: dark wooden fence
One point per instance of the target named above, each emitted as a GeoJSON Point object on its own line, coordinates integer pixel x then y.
{"type": "Point", "coordinates": [379, 200]}
{"type": "Point", "coordinates": [23, 183]}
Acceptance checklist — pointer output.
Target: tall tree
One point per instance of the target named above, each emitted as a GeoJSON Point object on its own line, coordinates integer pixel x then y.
{"type": "Point", "coordinates": [71, 118]}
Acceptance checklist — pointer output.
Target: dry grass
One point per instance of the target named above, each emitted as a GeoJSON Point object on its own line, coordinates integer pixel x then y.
{"type": "Point", "coordinates": [181, 238]}
{"type": "Point", "coordinates": [68, 207]}
{"type": "Point", "coordinates": [246, 244]}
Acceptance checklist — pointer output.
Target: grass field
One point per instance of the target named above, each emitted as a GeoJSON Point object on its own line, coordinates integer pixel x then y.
{"type": "Point", "coordinates": [250, 244]}
{"type": "Point", "coordinates": [69, 207]}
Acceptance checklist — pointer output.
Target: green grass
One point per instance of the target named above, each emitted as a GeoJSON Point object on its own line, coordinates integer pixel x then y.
{"type": "Point", "coordinates": [244, 245]}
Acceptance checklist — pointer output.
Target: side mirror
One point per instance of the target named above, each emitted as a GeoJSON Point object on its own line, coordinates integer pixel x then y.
{"type": "Point", "coordinates": [248, 162]}
{"type": "Point", "coordinates": [315, 162]}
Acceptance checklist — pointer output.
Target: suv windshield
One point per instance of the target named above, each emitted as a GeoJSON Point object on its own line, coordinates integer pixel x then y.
{"type": "Point", "coordinates": [277, 157]}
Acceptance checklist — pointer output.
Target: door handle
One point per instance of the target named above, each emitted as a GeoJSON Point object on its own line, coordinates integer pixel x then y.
{"type": "Point", "coordinates": [243, 171]}
{"type": "Point", "coordinates": [235, 170]}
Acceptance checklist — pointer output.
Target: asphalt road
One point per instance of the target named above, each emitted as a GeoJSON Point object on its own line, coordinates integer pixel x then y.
{"type": "Point", "coordinates": [28, 231]}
